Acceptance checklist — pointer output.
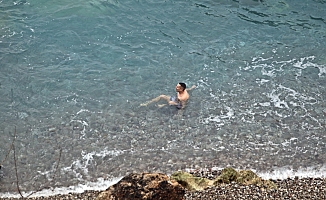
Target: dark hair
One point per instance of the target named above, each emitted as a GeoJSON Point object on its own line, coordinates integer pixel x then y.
{"type": "Point", "coordinates": [183, 85]}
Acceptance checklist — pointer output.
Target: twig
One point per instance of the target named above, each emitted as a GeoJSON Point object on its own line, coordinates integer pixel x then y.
{"type": "Point", "coordinates": [56, 168]}
{"type": "Point", "coordinates": [17, 182]}
{"type": "Point", "coordinates": [11, 147]}
{"type": "Point", "coordinates": [53, 177]}
{"type": "Point", "coordinates": [12, 95]}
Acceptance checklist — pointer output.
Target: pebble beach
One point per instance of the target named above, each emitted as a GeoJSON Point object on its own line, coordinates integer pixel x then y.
{"type": "Point", "coordinates": [307, 188]}
{"type": "Point", "coordinates": [290, 188]}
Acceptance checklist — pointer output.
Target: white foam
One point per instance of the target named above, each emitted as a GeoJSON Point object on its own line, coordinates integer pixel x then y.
{"type": "Point", "coordinates": [277, 173]}
{"type": "Point", "coordinates": [262, 81]}
{"type": "Point", "coordinates": [229, 114]}
{"type": "Point", "coordinates": [99, 185]}
{"type": "Point", "coordinates": [220, 120]}
{"type": "Point", "coordinates": [322, 70]}
{"type": "Point", "coordinates": [276, 100]}
{"type": "Point", "coordinates": [300, 64]}
{"type": "Point", "coordinates": [82, 110]}
{"type": "Point", "coordinates": [288, 172]}
{"type": "Point", "coordinates": [87, 160]}
{"type": "Point", "coordinates": [270, 73]}
{"type": "Point", "coordinates": [265, 104]}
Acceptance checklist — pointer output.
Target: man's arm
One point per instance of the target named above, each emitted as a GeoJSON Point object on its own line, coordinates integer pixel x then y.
{"type": "Point", "coordinates": [192, 87]}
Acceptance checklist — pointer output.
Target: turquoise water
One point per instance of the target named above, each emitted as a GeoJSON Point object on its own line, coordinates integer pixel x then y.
{"type": "Point", "coordinates": [73, 75]}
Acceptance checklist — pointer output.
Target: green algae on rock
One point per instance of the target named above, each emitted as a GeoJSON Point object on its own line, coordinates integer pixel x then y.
{"type": "Point", "coordinates": [245, 177]}
{"type": "Point", "coordinates": [191, 182]}
{"type": "Point", "coordinates": [228, 175]}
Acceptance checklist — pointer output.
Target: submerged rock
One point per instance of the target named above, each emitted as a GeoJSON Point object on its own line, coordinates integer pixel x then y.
{"type": "Point", "coordinates": [144, 186]}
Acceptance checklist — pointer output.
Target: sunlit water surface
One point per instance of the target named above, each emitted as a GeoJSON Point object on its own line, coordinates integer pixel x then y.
{"type": "Point", "coordinates": [73, 74]}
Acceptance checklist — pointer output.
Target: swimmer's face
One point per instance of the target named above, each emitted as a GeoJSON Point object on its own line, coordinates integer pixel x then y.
{"type": "Point", "coordinates": [179, 88]}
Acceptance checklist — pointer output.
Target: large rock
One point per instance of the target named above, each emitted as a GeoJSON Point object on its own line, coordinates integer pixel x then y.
{"type": "Point", "coordinates": [144, 186]}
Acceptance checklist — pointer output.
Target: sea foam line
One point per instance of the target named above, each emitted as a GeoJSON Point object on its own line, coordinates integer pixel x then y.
{"type": "Point", "coordinates": [100, 185]}
{"type": "Point", "coordinates": [277, 173]}
{"type": "Point", "coordinates": [288, 172]}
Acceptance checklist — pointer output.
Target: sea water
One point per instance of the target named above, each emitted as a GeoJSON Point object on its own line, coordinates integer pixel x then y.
{"type": "Point", "coordinates": [73, 74]}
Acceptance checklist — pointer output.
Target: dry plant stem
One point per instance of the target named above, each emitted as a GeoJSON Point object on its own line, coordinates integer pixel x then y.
{"type": "Point", "coordinates": [56, 168]}
{"type": "Point", "coordinates": [53, 177]}
{"type": "Point", "coordinates": [17, 182]}
{"type": "Point", "coordinates": [11, 147]}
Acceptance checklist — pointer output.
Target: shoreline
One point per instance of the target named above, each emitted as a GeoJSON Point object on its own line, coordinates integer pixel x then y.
{"type": "Point", "coordinates": [290, 188]}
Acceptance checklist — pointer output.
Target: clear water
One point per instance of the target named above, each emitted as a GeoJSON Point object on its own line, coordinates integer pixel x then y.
{"type": "Point", "coordinates": [73, 74]}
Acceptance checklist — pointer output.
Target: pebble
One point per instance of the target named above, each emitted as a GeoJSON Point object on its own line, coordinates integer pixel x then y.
{"type": "Point", "coordinates": [52, 129]}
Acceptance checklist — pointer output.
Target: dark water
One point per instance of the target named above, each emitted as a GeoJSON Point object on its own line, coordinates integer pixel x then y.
{"type": "Point", "coordinates": [73, 75]}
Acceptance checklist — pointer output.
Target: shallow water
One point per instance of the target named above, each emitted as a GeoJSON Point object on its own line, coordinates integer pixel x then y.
{"type": "Point", "coordinates": [73, 76]}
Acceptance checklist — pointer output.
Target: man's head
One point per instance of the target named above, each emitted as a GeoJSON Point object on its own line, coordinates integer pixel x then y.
{"type": "Point", "coordinates": [180, 87]}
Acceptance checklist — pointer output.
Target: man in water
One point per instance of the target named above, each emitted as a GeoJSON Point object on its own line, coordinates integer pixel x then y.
{"type": "Point", "coordinates": [179, 101]}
